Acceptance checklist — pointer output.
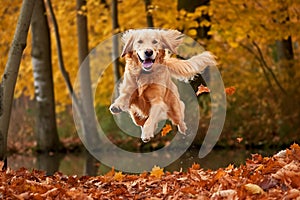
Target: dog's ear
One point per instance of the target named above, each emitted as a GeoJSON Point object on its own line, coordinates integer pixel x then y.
{"type": "Point", "coordinates": [127, 39]}
{"type": "Point", "coordinates": [171, 39]}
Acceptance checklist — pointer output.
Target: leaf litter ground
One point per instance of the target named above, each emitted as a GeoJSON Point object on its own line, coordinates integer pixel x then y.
{"type": "Point", "coordinates": [276, 177]}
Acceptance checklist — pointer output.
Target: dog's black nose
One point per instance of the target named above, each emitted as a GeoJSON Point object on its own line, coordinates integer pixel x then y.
{"type": "Point", "coordinates": [148, 52]}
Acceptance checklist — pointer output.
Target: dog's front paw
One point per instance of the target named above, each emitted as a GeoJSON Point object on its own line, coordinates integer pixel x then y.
{"type": "Point", "coordinates": [115, 109]}
{"type": "Point", "coordinates": [146, 135]}
{"type": "Point", "coordinates": [182, 128]}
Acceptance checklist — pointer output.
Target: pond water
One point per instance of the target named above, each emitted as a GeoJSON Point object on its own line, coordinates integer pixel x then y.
{"type": "Point", "coordinates": [80, 163]}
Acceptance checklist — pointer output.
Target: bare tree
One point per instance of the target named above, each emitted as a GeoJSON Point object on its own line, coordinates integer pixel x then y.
{"type": "Point", "coordinates": [46, 130]}
{"type": "Point", "coordinates": [9, 78]}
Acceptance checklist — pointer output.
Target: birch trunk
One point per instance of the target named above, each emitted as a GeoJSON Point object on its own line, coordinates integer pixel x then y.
{"type": "Point", "coordinates": [46, 130]}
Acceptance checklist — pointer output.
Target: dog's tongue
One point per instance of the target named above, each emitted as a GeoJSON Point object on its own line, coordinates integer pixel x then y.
{"type": "Point", "coordinates": [147, 63]}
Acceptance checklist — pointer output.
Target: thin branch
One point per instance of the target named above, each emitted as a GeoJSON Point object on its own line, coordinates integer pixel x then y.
{"type": "Point", "coordinates": [262, 66]}
{"type": "Point", "coordinates": [60, 58]}
{"type": "Point", "coordinates": [268, 68]}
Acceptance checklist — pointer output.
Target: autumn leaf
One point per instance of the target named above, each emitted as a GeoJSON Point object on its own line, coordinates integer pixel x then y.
{"type": "Point", "coordinates": [228, 194]}
{"type": "Point", "coordinates": [166, 130]}
{"type": "Point", "coordinates": [202, 89]}
{"type": "Point", "coordinates": [230, 167]}
{"type": "Point", "coordinates": [230, 90]}
{"type": "Point", "coordinates": [111, 173]}
{"type": "Point", "coordinates": [157, 172]}
{"type": "Point", "coordinates": [239, 139]}
{"type": "Point", "coordinates": [118, 176]}
{"type": "Point", "coordinates": [190, 190]}
{"type": "Point", "coordinates": [195, 166]}
{"type": "Point", "coordinates": [220, 173]}
{"type": "Point", "coordinates": [253, 188]}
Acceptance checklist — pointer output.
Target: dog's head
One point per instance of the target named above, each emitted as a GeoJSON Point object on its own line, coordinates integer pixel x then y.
{"type": "Point", "coordinates": [148, 43]}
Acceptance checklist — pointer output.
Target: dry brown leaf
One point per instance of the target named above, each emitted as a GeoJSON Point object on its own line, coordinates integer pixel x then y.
{"type": "Point", "coordinates": [165, 188]}
{"type": "Point", "coordinates": [229, 194]}
{"type": "Point", "coordinates": [202, 89]}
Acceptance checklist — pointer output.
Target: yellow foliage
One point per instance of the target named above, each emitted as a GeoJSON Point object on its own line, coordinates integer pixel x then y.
{"type": "Point", "coordinates": [157, 172]}
{"type": "Point", "coordinates": [118, 176]}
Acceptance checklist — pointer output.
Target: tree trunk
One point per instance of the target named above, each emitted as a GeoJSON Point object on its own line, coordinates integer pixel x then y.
{"type": "Point", "coordinates": [149, 16]}
{"type": "Point", "coordinates": [46, 131]}
{"type": "Point", "coordinates": [285, 55]}
{"type": "Point", "coordinates": [85, 85]}
{"type": "Point", "coordinates": [9, 78]}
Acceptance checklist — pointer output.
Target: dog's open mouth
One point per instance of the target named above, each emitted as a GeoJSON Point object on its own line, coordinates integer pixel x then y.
{"type": "Point", "coordinates": [147, 63]}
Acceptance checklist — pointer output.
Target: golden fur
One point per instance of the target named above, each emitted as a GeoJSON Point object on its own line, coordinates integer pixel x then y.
{"type": "Point", "coordinates": [147, 91]}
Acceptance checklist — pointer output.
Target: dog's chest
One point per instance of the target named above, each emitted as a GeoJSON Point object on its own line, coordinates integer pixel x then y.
{"type": "Point", "coordinates": [157, 76]}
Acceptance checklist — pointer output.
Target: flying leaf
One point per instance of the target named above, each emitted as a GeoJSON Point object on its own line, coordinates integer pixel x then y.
{"type": "Point", "coordinates": [166, 130]}
{"type": "Point", "coordinates": [239, 139]}
{"type": "Point", "coordinates": [230, 90]}
{"type": "Point", "coordinates": [157, 172]}
{"type": "Point", "coordinates": [202, 89]}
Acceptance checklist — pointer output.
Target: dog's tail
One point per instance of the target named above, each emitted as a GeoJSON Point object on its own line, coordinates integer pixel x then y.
{"type": "Point", "coordinates": [186, 69]}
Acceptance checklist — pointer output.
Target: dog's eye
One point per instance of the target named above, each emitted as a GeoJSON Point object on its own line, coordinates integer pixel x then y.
{"type": "Point", "coordinates": [140, 41]}
{"type": "Point", "coordinates": [154, 42]}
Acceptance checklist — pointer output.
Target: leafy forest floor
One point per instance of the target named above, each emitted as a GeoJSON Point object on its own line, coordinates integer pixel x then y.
{"type": "Point", "coordinates": [276, 177]}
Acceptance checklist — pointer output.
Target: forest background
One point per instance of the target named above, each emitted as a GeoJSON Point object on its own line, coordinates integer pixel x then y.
{"type": "Point", "coordinates": [256, 43]}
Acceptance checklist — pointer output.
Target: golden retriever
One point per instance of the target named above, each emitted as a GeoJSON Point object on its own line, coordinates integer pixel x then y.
{"type": "Point", "coordinates": [147, 92]}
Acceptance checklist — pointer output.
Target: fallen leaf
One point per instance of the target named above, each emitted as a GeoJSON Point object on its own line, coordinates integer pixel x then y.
{"type": "Point", "coordinates": [165, 188]}
{"type": "Point", "coordinates": [202, 89]}
{"type": "Point", "coordinates": [220, 173]}
{"type": "Point", "coordinates": [157, 172]}
{"type": "Point", "coordinates": [229, 194]}
{"type": "Point", "coordinates": [189, 190]}
{"type": "Point", "coordinates": [195, 166]}
{"type": "Point", "coordinates": [118, 176]}
{"type": "Point", "coordinates": [253, 188]}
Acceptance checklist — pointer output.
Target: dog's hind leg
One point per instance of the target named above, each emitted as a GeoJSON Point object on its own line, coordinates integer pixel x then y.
{"type": "Point", "coordinates": [181, 125]}
{"type": "Point", "coordinates": [176, 114]}
{"type": "Point", "coordinates": [157, 113]}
